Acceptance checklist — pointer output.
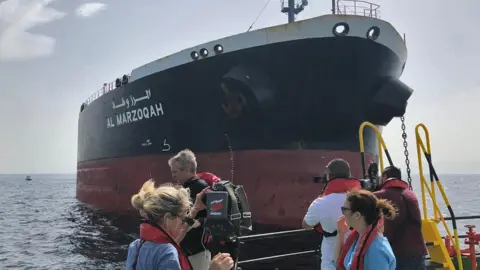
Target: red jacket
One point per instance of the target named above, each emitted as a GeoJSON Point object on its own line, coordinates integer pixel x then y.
{"type": "Point", "coordinates": [404, 232]}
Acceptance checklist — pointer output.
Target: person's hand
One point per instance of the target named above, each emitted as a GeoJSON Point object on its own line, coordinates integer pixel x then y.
{"type": "Point", "coordinates": [196, 224]}
{"type": "Point", "coordinates": [222, 261]}
{"type": "Point", "coordinates": [342, 226]}
{"type": "Point", "coordinates": [199, 205]}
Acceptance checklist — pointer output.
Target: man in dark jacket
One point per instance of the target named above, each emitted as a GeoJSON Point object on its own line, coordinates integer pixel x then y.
{"type": "Point", "coordinates": [184, 170]}
{"type": "Point", "coordinates": [404, 232]}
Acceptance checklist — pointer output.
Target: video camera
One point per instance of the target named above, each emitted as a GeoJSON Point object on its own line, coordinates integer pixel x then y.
{"type": "Point", "coordinates": [320, 179]}
{"type": "Point", "coordinates": [372, 180]}
{"type": "Point", "coordinates": [228, 211]}
{"type": "Point", "coordinates": [228, 217]}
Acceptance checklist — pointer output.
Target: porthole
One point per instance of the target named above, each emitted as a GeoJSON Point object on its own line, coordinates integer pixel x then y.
{"type": "Point", "coordinates": [373, 33]}
{"type": "Point", "coordinates": [341, 29]}
{"type": "Point", "coordinates": [218, 49]}
{"type": "Point", "coordinates": [194, 55]}
{"type": "Point", "coordinates": [203, 52]}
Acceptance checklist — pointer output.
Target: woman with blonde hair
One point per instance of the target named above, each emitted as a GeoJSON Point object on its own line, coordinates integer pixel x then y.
{"type": "Point", "coordinates": [168, 214]}
{"type": "Point", "coordinates": [365, 247]}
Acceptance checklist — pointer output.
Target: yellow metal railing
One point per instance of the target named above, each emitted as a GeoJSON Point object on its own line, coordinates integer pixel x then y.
{"type": "Point", "coordinates": [381, 145]}
{"type": "Point", "coordinates": [438, 216]}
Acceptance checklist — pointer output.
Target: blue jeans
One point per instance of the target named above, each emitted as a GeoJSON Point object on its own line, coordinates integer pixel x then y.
{"type": "Point", "coordinates": [411, 263]}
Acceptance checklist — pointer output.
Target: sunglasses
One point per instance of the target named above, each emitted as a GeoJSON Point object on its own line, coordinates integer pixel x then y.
{"type": "Point", "coordinates": [188, 220]}
{"type": "Point", "coordinates": [185, 219]}
{"type": "Point", "coordinates": [345, 209]}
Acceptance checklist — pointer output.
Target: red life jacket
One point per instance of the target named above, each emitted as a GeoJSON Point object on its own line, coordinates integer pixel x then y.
{"type": "Point", "coordinates": [362, 246]}
{"type": "Point", "coordinates": [341, 185]}
{"type": "Point", "coordinates": [337, 185]}
{"type": "Point", "coordinates": [157, 234]}
{"type": "Point", "coordinates": [210, 178]}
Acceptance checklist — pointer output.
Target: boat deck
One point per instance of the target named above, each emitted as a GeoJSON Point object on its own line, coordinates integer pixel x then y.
{"type": "Point", "coordinates": [308, 257]}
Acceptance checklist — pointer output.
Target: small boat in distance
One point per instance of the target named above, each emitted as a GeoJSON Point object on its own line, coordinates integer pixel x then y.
{"type": "Point", "coordinates": [28, 178]}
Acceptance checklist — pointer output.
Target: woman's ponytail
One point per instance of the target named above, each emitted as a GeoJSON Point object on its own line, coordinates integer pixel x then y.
{"type": "Point", "coordinates": [387, 209]}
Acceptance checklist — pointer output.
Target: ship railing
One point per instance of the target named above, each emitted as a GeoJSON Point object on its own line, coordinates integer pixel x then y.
{"type": "Point", "coordinates": [312, 250]}
{"type": "Point", "coordinates": [358, 7]}
{"type": "Point", "coordinates": [107, 87]}
{"type": "Point", "coordinates": [423, 147]}
{"type": "Point", "coordinates": [275, 235]}
{"type": "Point", "coordinates": [382, 148]}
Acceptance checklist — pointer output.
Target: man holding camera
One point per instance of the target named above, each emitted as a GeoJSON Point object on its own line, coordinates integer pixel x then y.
{"type": "Point", "coordinates": [183, 167]}
{"type": "Point", "coordinates": [324, 211]}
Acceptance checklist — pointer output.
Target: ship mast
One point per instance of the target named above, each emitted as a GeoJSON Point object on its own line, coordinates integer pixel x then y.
{"type": "Point", "coordinates": [292, 8]}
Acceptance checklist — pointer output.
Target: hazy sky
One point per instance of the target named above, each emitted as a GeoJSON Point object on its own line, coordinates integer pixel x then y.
{"type": "Point", "coordinates": [54, 54]}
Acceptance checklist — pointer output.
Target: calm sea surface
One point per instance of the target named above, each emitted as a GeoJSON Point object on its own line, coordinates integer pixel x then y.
{"type": "Point", "coordinates": [43, 226]}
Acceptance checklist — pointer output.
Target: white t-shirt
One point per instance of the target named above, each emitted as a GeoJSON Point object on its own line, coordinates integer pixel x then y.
{"type": "Point", "coordinates": [326, 211]}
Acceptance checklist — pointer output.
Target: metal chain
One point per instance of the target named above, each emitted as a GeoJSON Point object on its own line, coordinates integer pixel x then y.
{"type": "Point", "coordinates": [232, 158]}
{"type": "Point", "coordinates": [405, 145]}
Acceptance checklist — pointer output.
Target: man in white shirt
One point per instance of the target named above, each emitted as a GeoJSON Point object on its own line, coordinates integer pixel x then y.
{"type": "Point", "coordinates": [326, 209]}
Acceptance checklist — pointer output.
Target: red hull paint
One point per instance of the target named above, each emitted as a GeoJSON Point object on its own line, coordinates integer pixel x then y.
{"type": "Point", "coordinates": [278, 182]}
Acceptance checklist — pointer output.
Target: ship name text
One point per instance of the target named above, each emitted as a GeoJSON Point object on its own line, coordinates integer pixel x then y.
{"type": "Point", "coordinates": [130, 101]}
{"type": "Point", "coordinates": [136, 115]}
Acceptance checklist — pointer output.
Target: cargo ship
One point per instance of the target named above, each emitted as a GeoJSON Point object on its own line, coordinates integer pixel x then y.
{"type": "Point", "coordinates": [267, 109]}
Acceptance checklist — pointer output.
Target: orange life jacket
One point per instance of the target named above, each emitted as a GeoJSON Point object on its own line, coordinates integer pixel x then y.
{"type": "Point", "coordinates": [210, 178]}
{"type": "Point", "coordinates": [341, 185]}
{"type": "Point", "coordinates": [337, 185]}
{"type": "Point", "coordinates": [155, 233]}
{"type": "Point", "coordinates": [364, 242]}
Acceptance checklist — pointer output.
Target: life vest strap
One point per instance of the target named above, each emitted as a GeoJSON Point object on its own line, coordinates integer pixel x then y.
{"type": "Point", "coordinates": [332, 234]}
{"type": "Point", "coordinates": [134, 266]}
{"type": "Point", "coordinates": [318, 228]}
